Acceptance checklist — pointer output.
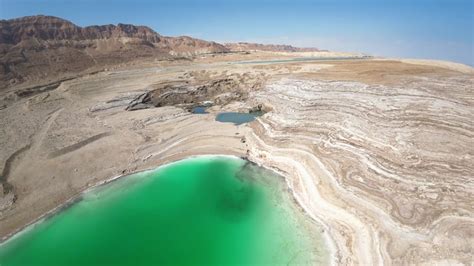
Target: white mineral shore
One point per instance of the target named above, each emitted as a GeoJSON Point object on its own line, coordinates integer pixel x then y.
{"type": "Point", "coordinates": [379, 152]}
{"type": "Point", "coordinates": [387, 170]}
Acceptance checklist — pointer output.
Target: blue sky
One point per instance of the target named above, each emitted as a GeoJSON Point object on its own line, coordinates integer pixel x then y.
{"type": "Point", "coordinates": [436, 29]}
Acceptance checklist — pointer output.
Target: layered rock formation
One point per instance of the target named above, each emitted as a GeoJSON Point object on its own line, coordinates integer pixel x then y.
{"type": "Point", "coordinates": [37, 47]}
{"type": "Point", "coordinates": [47, 28]}
{"type": "Point", "coordinates": [387, 169]}
{"type": "Point", "coordinates": [379, 152]}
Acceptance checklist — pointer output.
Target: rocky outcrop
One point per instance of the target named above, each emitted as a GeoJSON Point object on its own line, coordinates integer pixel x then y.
{"type": "Point", "coordinates": [40, 47]}
{"type": "Point", "coordinates": [47, 28]}
{"type": "Point", "coordinates": [219, 91]}
{"type": "Point", "coordinates": [142, 101]}
{"type": "Point", "coordinates": [46, 49]}
{"type": "Point", "coordinates": [184, 45]}
{"type": "Point", "coordinates": [17, 30]}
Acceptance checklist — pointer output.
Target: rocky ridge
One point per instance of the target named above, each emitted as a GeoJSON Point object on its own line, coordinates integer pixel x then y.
{"type": "Point", "coordinates": [46, 49]}
{"type": "Point", "coordinates": [41, 47]}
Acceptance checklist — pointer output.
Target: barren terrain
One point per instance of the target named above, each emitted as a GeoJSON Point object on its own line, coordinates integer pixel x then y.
{"type": "Point", "coordinates": [379, 152]}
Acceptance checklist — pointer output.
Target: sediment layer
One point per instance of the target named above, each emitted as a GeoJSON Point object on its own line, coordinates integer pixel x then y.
{"type": "Point", "coordinates": [387, 169]}
{"type": "Point", "coordinates": [377, 151]}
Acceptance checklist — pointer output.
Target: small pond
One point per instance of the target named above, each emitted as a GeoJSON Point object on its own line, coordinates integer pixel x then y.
{"type": "Point", "coordinates": [199, 110]}
{"type": "Point", "coordinates": [238, 118]}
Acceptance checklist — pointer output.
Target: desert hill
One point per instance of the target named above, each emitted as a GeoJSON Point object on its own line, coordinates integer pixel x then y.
{"type": "Point", "coordinates": [38, 49]}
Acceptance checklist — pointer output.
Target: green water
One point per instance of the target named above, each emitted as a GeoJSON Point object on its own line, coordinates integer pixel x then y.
{"type": "Point", "coordinates": [238, 118]}
{"type": "Point", "coordinates": [199, 211]}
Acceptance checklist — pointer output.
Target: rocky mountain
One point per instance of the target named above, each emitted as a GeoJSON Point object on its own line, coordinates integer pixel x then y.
{"type": "Point", "coordinates": [245, 46]}
{"type": "Point", "coordinates": [53, 29]}
{"type": "Point", "coordinates": [47, 48]}
{"type": "Point", "coordinates": [48, 28]}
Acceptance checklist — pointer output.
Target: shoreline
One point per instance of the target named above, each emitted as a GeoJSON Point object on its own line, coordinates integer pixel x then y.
{"type": "Point", "coordinates": [327, 241]}
{"type": "Point", "coordinates": [78, 197]}
{"type": "Point", "coordinates": [351, 151]}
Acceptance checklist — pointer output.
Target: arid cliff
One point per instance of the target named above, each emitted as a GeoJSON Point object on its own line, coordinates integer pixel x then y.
{"type": "Point", "coordinates": [36, 48]}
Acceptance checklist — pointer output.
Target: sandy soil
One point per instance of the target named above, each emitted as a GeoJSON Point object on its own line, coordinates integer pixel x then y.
{"type": "Point", "coordinates": [378, 151]}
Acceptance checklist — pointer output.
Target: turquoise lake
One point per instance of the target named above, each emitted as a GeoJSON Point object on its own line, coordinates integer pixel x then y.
{"type": "Point", "coordinates": [209, 210]}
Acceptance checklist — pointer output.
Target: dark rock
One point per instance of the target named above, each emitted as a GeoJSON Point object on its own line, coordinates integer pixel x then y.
{"type": "Point", "coordinates": [142, 101]}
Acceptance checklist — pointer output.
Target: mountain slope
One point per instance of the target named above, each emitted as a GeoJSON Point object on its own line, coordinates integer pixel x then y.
{"type": "Point", "coordinates": [45, 48]}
